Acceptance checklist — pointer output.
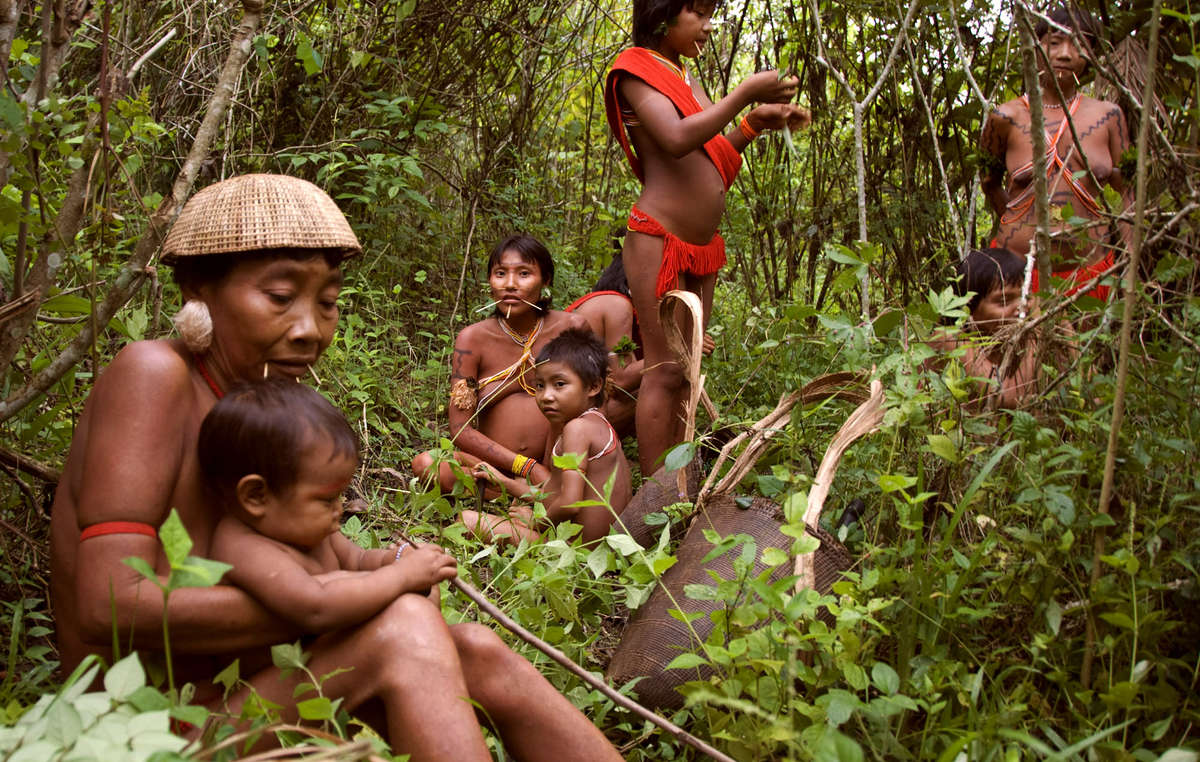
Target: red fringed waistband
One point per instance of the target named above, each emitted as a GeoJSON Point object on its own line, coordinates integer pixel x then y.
{"type": "Point", "coordinates": [679, 256]}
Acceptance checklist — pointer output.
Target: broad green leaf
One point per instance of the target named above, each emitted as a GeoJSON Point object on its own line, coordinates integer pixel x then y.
{"type": "Point", "coordinates": [149, 699]}
{"type": "Point", "coordinates": [943, 447]}
{"type": "Point", "coordinates": [229, 676]}
{"type": "Point", "coordinates": [840, 707]}
{"type": "Point", "coordinates": [141, 566]}
{"type": "Point", "coordinates": [198, 572]}
{"type": "Point", "coordinates": [195, 715]}
{"type": "Point", "coordinates": [885, 678]}
{"type": "Point", "coordinates": [320, 708]}
{"type": "Point", "coordinates": [63, 724]}
{"type": "Point", "coordinates": [288, 656]}
{"type": "Point", "coordinates": [833, 746]}
{"type": "Point", "coordinates": [774, 557]}
{"type": "Point", "coordinates": [1054, 615]}
{"type": "Point", "coordinates": [856, 676]}
{"type": "Point", "coordinates": [1118, 619]}
{"type": "Point", "coordinates": [312, 60]}
{"type": "Point", "coordinates": [175, 540]}
{"type": "Point", "coordinates": [124, 677]}
{"type": "Point", "coordinates": [623, 544]}
{"type": "Point", "coordinates": [679, 456]}
{"type": "Point", "coordinates": [11, 113]}
{"type": "Point", "coordinates": [598, 561]}
{"type": "Point", "coordinates": [895, 482]}
{"type": "Point", "coordinates": [687, 661]}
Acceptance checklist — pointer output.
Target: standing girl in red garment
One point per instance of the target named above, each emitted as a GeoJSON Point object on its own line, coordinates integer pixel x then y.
{"type": "Point", "coordinates": [672, 136]}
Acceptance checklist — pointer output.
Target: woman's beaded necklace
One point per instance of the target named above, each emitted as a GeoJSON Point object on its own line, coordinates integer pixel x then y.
{"type": "Point", "coordinates": [517, 368]}
{"type": "Point", "coordinates": [678, 70]}
{"type": "Point", "coordinates": [517, 338]}
{"type": "Point", "coordinates": [212, 384]}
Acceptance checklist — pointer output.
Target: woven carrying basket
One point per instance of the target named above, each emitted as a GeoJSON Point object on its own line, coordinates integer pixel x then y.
{"type": "Point", "coordinates": [653, 637]}
{"type": "Point", "coordinates": [657, 493]}
{"type": "Point", "coordinates": [256, 212]}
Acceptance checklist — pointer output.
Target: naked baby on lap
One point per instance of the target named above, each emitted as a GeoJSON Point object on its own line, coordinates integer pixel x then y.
{"type": "Point", "coordinates": [278, 456]}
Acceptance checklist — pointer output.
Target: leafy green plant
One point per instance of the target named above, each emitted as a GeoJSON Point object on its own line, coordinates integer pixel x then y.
{"type": "Point", "coordinates": [127, 720]}
{"type": "Point", "coordinates": [186, 571]}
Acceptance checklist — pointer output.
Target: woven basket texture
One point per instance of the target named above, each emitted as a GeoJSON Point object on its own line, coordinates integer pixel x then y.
{"type": "Point", "coordinates": [657, 493]}
{"type": "Point", "coordinates": [255, 212]}
{"type": "Point", "coordinates": [653, 637]}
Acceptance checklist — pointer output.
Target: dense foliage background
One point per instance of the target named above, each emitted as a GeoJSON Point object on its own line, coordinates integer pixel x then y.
{"type": "Point", "coordinates": [441, 126]}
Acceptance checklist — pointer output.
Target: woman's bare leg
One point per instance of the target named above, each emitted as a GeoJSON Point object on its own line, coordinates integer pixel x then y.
{"type": "Point", "coordinates": [406, 657]}
{"type": "Point", "coordinates": [660, 397]}
{"type": "Point", "coordinates": [535, 721]}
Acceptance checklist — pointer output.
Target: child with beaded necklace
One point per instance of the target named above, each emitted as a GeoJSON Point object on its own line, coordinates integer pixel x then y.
{"type": "Point", "coordinates": [569, 379]}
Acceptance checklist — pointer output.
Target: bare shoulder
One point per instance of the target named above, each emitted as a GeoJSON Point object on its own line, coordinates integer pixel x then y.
{"type": "Point", "coordinates": [1008, 114]}
{"type": "Point", "coordinates": [558, 321]}
{"type": "Point", "coordinates": [145, 378]}
{"type": "Point", "coordinates": [158, 362]}
{"type": "Point", "coordinates": [586, 429]}
{"type": "Point", "coordinates": [474, 335]}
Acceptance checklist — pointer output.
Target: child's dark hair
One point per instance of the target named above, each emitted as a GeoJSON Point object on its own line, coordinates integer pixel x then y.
{"type": "Point", "coordinates": [265, 427]}
{"type": "Point", "coordinates": [1070, 17]}
{"type": "Point", "coordinates": [532, 251]}
{"type": "Point", "coordinates": [581, 351]}
{"type": "Point", "coordinates": [982, 271]}
{"type": "Point", "coordinates": [613, 278]}
{"type": "Point", "coordinates": [651, 17]}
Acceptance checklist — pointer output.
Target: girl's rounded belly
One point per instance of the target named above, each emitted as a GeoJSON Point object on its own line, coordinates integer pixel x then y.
{"type": "Point", "coordinates": [515, 422]}
{"type": "Point", "coordinates": [686, 196]}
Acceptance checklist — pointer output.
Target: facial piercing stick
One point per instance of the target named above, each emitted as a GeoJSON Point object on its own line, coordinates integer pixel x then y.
{"type": "Point", "coordinates": [488, 306]}
{"type": "Point", "coordinates": [508, 312]}
{"type": "Point", "coordinates": [314, 375]}
{"type": "Point", "coordinates": [264, 370]}
{"type": "Point", "coordinates": [531, 304]}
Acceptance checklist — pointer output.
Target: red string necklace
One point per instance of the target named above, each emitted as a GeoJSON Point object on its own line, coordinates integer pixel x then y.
{"type": "Point", "coordinates": [204, 373]}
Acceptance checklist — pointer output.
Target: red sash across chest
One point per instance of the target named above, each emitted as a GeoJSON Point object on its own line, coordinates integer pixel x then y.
{"type": "Point", "coordinates": [641, 63]}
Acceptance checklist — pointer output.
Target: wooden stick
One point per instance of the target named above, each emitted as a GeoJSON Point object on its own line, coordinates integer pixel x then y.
{"type": "Point", "coordinates": [564, 661]}
{"type": "Point", "coordinates": [29, 465]}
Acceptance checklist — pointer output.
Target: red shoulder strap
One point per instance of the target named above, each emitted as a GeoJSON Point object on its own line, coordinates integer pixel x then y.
{"type": "Point", "coordinates": [640, 63]}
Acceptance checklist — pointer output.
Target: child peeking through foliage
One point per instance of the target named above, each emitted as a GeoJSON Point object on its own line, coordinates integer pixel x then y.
{"type": "Point", "coordinates": [570, 380]}
{"type": "Point", "coordinates": [278, 456]}
{"type": "Point", "coordinates": [994, 279]}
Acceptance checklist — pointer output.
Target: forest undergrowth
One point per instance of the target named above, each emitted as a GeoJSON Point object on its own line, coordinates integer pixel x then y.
{"type": "Point", "coordinates": [982, 554]}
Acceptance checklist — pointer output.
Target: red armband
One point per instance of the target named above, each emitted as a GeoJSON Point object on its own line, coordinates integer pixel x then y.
{"type": "Point", "coordinates": [117, 527]}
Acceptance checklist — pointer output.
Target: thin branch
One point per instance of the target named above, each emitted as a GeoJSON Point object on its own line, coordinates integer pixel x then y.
{"type": "Point", "coordinates": [29, 465]}
{"type": "Point", "coordinates": [564, 661]}
{"type": "Point", "coordinates": [1131, 281]}
{"type": "Point", "coordinates": [1175, 330]}
{"type": "Point", "coordinates": [134, 272]}
{"type": "Point", "coordinates": [149, 54]}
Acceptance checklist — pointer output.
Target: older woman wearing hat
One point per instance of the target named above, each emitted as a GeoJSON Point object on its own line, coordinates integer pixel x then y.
{"type": "Point", "coordinates": [258, 260]}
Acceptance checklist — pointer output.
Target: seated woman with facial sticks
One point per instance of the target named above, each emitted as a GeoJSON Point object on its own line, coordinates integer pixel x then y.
{"type": "Point", "coordinates": [570, 376]}
{"type": "Point", "coordinates": [493, 416]}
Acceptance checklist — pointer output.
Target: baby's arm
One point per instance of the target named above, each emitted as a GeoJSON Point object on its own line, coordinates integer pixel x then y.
{"type": "Point", "coordinates": [354, 558]}
{"type": "Point", "coordinates": [330, 602]}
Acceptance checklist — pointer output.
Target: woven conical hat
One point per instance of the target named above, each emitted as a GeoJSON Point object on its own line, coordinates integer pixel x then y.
{"type": "Point", "coordinates": [255, 212]}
